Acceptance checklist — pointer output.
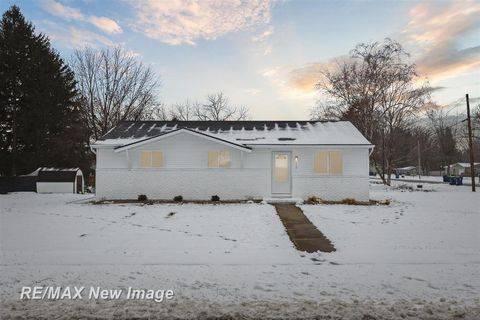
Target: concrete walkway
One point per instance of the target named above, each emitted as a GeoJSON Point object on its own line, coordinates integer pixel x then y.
{"type": "Point", "coordinates": [303, 233]}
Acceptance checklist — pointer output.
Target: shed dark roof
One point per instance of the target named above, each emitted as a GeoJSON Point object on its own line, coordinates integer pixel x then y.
{"type": "Point", "coordinates": [144, 129]}
{"type": "Point", "coordinates": [58, 175]}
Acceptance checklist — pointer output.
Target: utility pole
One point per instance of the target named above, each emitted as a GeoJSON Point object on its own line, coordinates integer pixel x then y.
{"type": "Point", "coordinates": [470, 144]}
{"type": "Point", "coordinates": [419, 166]}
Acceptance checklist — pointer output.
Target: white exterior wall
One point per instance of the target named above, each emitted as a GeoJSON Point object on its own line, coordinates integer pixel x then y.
{"type": "Point", "coordinates": [353, 183]}
{"type": "Point", "coordinates": [55, 187]}
{"type": "Point", "coordinates": [186, 172]}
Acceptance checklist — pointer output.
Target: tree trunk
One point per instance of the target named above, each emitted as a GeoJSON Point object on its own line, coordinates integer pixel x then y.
{"type": "Point", "coordinates": [14, 143]}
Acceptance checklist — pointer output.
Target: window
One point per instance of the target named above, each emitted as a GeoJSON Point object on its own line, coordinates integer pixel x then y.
{"type": "Point", "coordinates": [151, 159]}
{"type": "Point", "coordinates": [328, 162]}
{"type": "Point", "coordinates": [321, 162]}
{"type": "Point", "coordinates": [281, 168]}
{"type": "Point", "coordinates": [219, 159]}
{"type": "Point", "coordinates": [335, 162]}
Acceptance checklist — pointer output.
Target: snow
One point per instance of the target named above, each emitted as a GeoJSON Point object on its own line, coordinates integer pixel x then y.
{"type": "Point", "coordinates": [418, 257]}
{"type": "Point", "coordinates": [321, 133]}
{"type": "Point", "coordinates": [466, 179]}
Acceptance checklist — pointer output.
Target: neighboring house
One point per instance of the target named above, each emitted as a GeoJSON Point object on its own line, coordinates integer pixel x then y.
{"type": "Point", "coordinates": [233, 159]}
{"type": "Point", "coordinates": [60, 180]}
{"type": "Point", "coordinates": [461, 168]}
{"type": "Point", "coordinates": [409, 171]}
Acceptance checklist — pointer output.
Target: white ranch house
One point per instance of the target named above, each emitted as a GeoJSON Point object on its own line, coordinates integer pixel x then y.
{"type": "Point", "coordinates": [233, 159]}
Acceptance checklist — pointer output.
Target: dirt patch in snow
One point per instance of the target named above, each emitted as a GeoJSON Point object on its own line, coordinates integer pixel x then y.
{"type": "Point", "coordinates": [188, 309]}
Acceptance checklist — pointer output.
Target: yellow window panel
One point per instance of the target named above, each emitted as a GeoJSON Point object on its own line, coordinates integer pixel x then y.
{"type": "Point", "coordinates": [336, 162]}
{"type": "Point", "coordinates": [157, 159]}
{"type": "Point", "coordinates": [145, 159]}
{"type": "Point", "coordinates": [321, 162]}
{"type": "Point", "coordinates": [224, 160]}
{"type": "Point", "coordinates": [281, 168]}
{"type": "Point", "coordinates": [213, 159]}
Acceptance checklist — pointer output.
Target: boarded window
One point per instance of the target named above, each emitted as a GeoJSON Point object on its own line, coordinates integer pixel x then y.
{"type": "Point", "coordinates": [321, 162]}
{"type": "Point", "coordinates": [149, 159]}
{"type": "Point", "coordinates": [328, 162]}
{"type": "Point", "coordinates": [335, 162]}
{"type": "Point", "coordinates": [219, 159]}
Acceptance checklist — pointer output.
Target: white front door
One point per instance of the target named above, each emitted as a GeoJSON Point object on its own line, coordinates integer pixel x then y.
{"type": "Point", "coordinates": [281, 173]}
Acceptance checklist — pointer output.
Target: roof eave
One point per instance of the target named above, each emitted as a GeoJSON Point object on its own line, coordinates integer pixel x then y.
{"type": "Point", "coordinates": [176, 131]}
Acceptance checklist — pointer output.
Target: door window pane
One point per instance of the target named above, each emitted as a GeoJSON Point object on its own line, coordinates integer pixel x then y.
{"type": "Point", "coordinates": [281, 168]}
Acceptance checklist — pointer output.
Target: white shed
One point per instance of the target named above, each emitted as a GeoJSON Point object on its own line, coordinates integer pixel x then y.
{"type": "Point", "coordinates": [60, 180]}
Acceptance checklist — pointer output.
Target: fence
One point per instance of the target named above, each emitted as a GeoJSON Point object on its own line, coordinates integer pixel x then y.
{"type": "Point", "coordinates": [15, 184]}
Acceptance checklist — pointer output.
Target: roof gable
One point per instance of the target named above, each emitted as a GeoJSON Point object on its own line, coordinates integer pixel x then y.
{"type": "Point", "coordinates": [177, 131]}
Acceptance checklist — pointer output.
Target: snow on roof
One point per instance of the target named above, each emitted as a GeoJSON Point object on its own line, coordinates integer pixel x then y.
{"type": "Point", "coordinates": [406, 168]}
{"type": "Point", "coordinates": [247, 133]}
{"type": "Point", "coordinates": [36, 172]}
{"type": "Point", "coordinates": [465, 164]}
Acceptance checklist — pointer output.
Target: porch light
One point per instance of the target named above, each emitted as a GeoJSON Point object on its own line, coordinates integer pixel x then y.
{"type": "Point", "coordinates": [296, 162]}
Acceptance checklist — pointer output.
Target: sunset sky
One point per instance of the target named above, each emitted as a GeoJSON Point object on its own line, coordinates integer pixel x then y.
{"type": "Point", "coordinates": [264, 54]}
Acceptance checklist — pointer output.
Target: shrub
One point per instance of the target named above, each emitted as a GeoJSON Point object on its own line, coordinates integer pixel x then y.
{"type": "Point", "coordinates": [215, 198]}
{"type": "Point", "coordinates": [178, 198]}
{"type": "Point", "coordinates": [142, 197]}
{"type": "Point", "coordinates": [349, 201]}
{"type": "Point", "coordinates": [314, 199]}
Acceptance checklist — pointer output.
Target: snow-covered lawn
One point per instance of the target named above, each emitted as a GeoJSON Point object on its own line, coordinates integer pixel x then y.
{"type": "Point", "coordinates": [417, 257]}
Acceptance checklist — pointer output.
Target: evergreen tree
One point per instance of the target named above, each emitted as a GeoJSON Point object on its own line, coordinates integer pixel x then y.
{"type": "Point", "coordinates": [40, 118]}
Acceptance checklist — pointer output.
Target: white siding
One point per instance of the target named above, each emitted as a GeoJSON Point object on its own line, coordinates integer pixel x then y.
{"type": "Point", "coordinates": [186, 172]}
{"type": "Point", "coordinates": [55, 187]}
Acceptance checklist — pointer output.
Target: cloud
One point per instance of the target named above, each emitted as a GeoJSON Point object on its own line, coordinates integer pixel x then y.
{"type": "Point", "coordinates": [68, 13]}
{"type": "Point", "coordinates": [105, 24]}
{"type": "Point", "coordinates": [252, 91]}
{"type": "Point", "coordinates": [267, 50]}
{"type": "Point", "coordinates": [305, 78]}
{"type": "Point", "coordinates": [72, 37]}
{"type": "Point", "coordinates": [436, 29]}
{"type": "Point", "coordinates": [271, 72]}
{"type": "Point", "coordinates": [264, 35]}
{"type": "Point", "coordinates": [179, 22]}
{"type": "Point", "coordinates": [433, 33]}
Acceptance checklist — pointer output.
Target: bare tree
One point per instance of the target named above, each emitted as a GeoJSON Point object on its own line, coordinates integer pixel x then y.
{"type": "Point", "coordinates": [218, 108]}
{"type": "Point", "coordinates": [445, 130]}
{"type": "Point", "coordinates": [160, 112]}
{"type": "Point", "coordinates": [375, 90]}
{"type": "Point", "coordinates": [114, 86]}
{"type": "Point", "coordinates": [184, 111]}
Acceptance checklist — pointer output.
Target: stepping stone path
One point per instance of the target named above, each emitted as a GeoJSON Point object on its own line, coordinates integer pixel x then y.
{"type": "Point", "coordinates": [302, 232]}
